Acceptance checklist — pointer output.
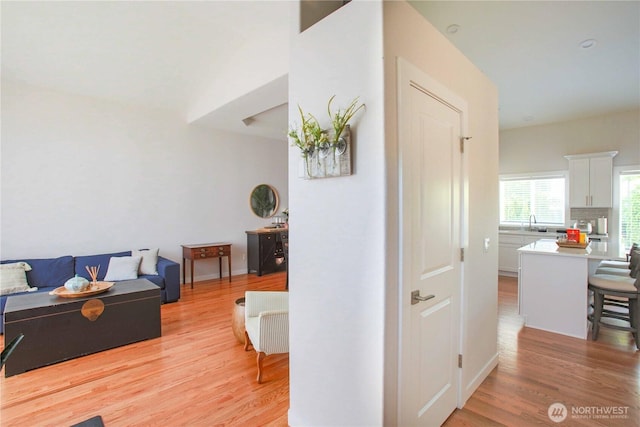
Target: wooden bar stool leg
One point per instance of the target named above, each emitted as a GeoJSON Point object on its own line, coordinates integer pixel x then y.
{"type": "Point", "coordinates": [634, 317]}
{"type": "Point", "coordinates": [598, 302]}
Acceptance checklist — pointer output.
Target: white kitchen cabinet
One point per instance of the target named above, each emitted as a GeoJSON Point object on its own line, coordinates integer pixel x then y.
{"type": "Point", "coordinates": [508, 245]}
{"type": "Point", "coordinates": [508, 252]}
{"type": "Point", "coordinates": [601, 181]}
{"type": "Point", "coordinates": [591, 179]}
{"type": "Point", "coordinates": [579, 190]}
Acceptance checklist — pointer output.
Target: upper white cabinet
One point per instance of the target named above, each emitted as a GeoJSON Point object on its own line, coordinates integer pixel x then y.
{"type": "Point", "coordinates": [591, 179]}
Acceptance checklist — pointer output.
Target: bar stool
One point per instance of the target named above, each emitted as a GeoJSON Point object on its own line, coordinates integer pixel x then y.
{"type": "Point", "coordinates": [615, 271]}
{"type": "Point", "coordinates": [615, 297]}
{"type": "Point", "coordinates": [623, 265]}
{"type": "Point", "coordinates": [614, 304]}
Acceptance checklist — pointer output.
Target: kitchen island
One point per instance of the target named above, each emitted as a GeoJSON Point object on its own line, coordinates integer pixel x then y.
{"type": "Point", "coordinates": [552, 284]}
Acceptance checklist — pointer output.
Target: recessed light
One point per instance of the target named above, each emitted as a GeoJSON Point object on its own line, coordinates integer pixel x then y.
{"type": "Point", "coordinates": [588, 43]}
{"type": "Point", "coordinates": [453, 28]}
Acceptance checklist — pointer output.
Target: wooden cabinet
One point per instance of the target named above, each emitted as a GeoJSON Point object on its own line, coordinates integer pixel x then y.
{"type": "Point", "coordinates": [211, 251]}
{"type": "Point", "coordinates": [591, 180]}
{"type": "Point", "coordinates": [266, 250]}
{"type": "Point", "coordinates": [58, 329]}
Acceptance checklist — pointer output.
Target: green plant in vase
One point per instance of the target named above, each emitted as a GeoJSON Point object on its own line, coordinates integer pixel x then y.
{"type": "Point", "coordinates": [340, 122]}
{"type": "Point", "coordinates": [308, 138]}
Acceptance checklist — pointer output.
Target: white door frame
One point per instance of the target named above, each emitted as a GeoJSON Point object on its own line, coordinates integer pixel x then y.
{"type": "Point", "coordinates": [407, 74]}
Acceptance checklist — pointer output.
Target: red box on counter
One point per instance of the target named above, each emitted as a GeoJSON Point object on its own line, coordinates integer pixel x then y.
{"type": "Point", "coordinates": [573, 234]}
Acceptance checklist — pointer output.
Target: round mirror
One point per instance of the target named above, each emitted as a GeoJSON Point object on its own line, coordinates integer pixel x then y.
{"type": "Point", "coordinates": [264, 201]}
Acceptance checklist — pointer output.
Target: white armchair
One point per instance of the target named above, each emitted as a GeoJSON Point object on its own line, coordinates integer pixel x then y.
{"type": "Point", "coordinates": [266, 322]}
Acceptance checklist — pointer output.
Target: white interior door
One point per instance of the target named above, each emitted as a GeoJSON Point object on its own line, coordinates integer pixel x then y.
{"type": "Point", "coordinates": [430, 170]}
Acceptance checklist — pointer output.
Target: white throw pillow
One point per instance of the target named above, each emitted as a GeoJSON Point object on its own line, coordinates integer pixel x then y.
{"type": "Point", "coordinates": [123, 268]}
{"type": "Point", "coordinates": [13, 278]}
{"type": "Point", "coordinates": [149, 264]}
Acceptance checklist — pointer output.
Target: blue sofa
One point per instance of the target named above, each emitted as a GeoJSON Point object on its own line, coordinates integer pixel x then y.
{"type": "Point", "coordinates": [49, 273]}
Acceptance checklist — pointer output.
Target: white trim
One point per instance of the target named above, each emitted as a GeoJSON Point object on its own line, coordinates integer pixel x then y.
{"type": "Point", "coordinates": [534, 175]}
{"type": "Point", "coordinates": [590, 155]}
{"type": "Point", "coordinates": [614, 220]}
{"type": "Point", "coordinates": [628, 170]}
{"type": "Point", "coordinates": [406, 70]}
{"type": "Point", "coordinates": [477, 380]}
{"type": "Point", "coordinates": [408, 75]}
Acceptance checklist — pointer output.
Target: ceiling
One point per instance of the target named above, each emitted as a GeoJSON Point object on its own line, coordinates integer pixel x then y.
{"type": "Point", "coordinates": [157, 54]}
{"type": "Point", "coordinates": [532, 51]}
{"type": "Point", "coordinates": [166, 54]}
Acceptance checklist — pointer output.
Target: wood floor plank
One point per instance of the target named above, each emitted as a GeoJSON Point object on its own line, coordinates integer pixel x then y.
{"type": "Point", "coordinates": [197, 374]}
{"type": "Point", "coordinates": [538, 368]}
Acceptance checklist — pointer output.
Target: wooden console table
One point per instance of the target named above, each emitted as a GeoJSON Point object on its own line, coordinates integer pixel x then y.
{"type": "Point", "coordinates": [205, 251]}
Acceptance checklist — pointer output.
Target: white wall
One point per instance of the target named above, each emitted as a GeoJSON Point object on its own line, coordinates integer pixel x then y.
{"type": "Point", "coordinates": [84, 176]}
{"type": "Point", "coordinates": [541, 148]}
{"type": "Point", "coordinates": [408, 35]}
{"type": "Point", "coordinates": [344, 283]}
{"type": "Point", "coordinates": [337, 252]}
{"type": "Point", "coordinates": [258, 63]}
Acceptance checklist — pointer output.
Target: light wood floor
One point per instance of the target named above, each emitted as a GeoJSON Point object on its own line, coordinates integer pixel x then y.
{"type": "Point", "coordinates": [538, 368]}
{"type": "Point", "coordinates": [197, 374]}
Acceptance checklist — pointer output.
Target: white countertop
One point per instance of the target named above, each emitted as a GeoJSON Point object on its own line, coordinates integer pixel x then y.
{"type": "Point", "coordinates": [549, 232]}
{"type": "Point", "coordinates": [529, 233]}
{"type": "Point", "coordinates": [595, 250]}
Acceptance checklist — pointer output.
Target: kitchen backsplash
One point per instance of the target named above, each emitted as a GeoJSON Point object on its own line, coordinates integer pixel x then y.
{"type": "Point", "coordinates": [589, 213]}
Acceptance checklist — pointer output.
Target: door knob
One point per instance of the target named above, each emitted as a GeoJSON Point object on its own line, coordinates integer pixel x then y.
{"type": "Point", "coordinates": [416, 298]}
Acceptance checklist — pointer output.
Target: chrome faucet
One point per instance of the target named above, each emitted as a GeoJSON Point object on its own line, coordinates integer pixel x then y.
{"type": "Point", "coordinates": [534, 221]}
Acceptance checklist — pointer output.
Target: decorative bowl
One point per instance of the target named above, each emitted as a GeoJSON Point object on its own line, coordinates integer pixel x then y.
{"type": "Point", "coordinates": [77, 284]}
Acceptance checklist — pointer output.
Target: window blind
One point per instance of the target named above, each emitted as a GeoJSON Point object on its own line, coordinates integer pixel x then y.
{"type": "Point", "coordinates": [543, 197]}
{"type": "Point", "coordinates": [629, 208]}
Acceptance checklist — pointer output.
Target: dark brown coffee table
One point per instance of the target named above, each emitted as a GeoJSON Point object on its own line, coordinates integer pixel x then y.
{"type": "Point", "coordinates": [57, 329]}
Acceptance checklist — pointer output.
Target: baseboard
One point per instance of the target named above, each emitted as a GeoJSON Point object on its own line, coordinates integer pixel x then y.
{"type": "Point", "coordinates": [210, 277]}
{"type": "Point", "coordinates": [200, 278]}
{"type": "Point", "coordinates": [507, 273]}
{"type": "Point", "coordinates": [293, 420]}
{"type": "Point", "coordinates": [239, 271]}
{"type": "Point", "coordinates": [477, 380]}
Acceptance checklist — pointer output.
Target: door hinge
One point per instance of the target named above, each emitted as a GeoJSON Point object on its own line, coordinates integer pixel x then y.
{"type": "Point", "coordinates": [459, 361]}
{"type": "Point", "coordinates": [462, 140]}
{"type": "Point", "coordinates": [461, 254]}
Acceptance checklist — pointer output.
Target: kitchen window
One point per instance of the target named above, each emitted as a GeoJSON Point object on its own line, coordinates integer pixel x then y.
{"type": "Point", "coordinates": [542, 195]}
{"type": "Point", "coordinates": [629, 188]}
